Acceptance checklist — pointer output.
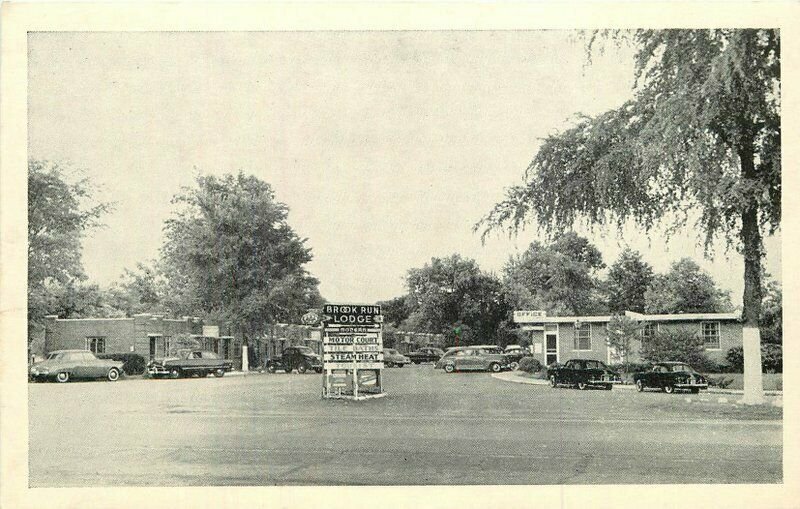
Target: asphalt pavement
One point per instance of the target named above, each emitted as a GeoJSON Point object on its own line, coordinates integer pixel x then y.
{"type": "Point", "coordinates": [432, 428]}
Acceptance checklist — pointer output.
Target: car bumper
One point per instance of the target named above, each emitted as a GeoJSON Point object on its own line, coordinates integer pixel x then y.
{"type": "Point", "coordinates": [40, 377]}
{"type": "Point", "coordinates": [691, 386]}
{"type": "Point", "coordinates": [603, 382]}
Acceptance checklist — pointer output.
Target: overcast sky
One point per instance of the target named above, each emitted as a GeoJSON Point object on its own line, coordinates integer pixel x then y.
{"type": "Point", "coordinates": [387, 146]}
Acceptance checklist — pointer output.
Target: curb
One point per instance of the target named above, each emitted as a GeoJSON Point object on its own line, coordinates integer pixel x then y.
{"type": "Point", "coordinates": [513, 378]}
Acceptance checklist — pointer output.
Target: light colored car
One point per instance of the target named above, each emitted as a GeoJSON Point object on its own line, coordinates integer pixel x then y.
{"type": "Point", "coordinates": [65, 365]}
{"type": "Point", "coordinates": [474, 358]}
{"type": "Point", "coordinates": [392, 357]}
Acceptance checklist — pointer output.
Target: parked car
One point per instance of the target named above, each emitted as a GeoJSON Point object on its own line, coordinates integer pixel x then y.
{"type": "Point", "coordinates": [583, 373]}
{"type": "Point", "coordinates": [474, 358]}
{"type": "Point", "coordinates": [301, 358]}
{"type": "Point", "coordinates": [65, 365]}
{"type": "Point", "coordinates": [515, 353]}
{"type": "Point", "coordinates": [392, 357]}
{"type": "Point", "coordinates": [669, 377]}
{"type": "Point", "coordinates": [426, 354]}
{"type": "Point", "coordinates": [189, 363]}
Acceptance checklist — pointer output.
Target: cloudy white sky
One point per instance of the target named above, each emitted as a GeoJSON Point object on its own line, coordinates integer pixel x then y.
{"type": "Point", "coordinates": [387, 146]}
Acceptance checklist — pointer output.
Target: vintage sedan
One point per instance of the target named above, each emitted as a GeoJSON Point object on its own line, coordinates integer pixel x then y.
{"type": "Point", "coordinates": [426, 354]}
{"type": "Point", "coordinates": [515, 353]}
{"type": "Point", "coordinates": [474, 358]}
{"type": "Point", "coordinates": [301, 358]}
{"type": "Point", "coordinates": [189, 363]}
{"type": "Point", "coordinates": [65, 365]}
{"type": "Point", "coordinates": [583, 373]}
{"type": "Point", "coordinates": [392, 357]}
{"type": "Point", "coordinates": [669, 377]}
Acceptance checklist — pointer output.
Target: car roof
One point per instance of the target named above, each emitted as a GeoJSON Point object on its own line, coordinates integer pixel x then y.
{"type": "Point", "coordinates": [672, 362]}
{"type": "Point", "coordinates": [66, 351]}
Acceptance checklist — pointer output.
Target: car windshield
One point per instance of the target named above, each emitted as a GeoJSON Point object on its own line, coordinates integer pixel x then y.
{"type": "Point", "coordinates": [595, 365]}
{"type": "Point", "coordinates": [392, 351]}
{"type": "Point", "coordinates": [492, 350]}
{"type": "Point", "coordinates": [54, 356]}
{"type": "Point", "coordinates": [305, 350]}
{"type": "Point", "coordinates": [681, 367]}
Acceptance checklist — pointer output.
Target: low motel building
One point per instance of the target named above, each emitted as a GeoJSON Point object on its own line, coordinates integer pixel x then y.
{"type": "Point", "coordinates": [148, 335]}
{"type": "Point", "coordinates": [560, 338]}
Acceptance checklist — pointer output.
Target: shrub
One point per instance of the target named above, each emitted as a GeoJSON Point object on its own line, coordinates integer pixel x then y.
{"type": "Point", "coordinates": [631, 367]}
{"type": "Point", "coordinates": [719, 381]}
{"type": "Point", "coordinates": [530, 365]}
{"type": "Point", "coordinates": [771, 358]}
{"type": "Point", "coordinates": [679, 345]}
{"type": "Point", "coordinates": [133, 363]}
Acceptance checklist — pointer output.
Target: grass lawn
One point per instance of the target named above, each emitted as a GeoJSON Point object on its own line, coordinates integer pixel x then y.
{"type": "Point", "coordinates": [772, 381]}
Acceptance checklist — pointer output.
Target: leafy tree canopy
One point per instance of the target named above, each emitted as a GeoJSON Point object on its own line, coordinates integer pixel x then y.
{"type": "Point", "coordinates": [701, 138]}
{"type": "Point", "coordinates": [231, 253]}
{"type": "Point", "coordinates": [559, 277]}
{"type": "Point", "coordinates": [628, 280]}
{"type": "Point", "coordinates": [453, 292]}
{"type": "Point", "coordinates": [61, 210]}
{"type": "Point", "coordinates": [686, 288]}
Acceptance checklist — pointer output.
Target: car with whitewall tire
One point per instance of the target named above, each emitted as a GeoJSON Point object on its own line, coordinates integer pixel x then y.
{"type": "Point", "coordinates": [66, 365]}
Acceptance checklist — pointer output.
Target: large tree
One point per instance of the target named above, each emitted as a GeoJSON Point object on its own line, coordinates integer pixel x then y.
{"type": "Point", "coordinates": [61, 210]}
{"type": "Point", "coordinates": [141, 290]}
{"type": "Point", "coordinates": [686, 288]}
{"type": "Point", "coordinates": [231, 254]}
{"type": "Point", "coordinates": [452, 293]}
{"type": "Point", "coordinates": [700, 141]}
{"type": "Point", "coordinates": [628, 279]}
{"type": "Point", "coordinates": [560, 277]}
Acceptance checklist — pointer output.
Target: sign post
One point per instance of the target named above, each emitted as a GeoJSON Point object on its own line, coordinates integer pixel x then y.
{"type": "Point", "coordinates": [352, 344]}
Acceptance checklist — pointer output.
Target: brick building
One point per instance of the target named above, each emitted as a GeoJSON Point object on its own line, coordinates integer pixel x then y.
{"type": "Point", "coordinates": [146, 334]}
{"type": "Point", "coordinates": [560, 338]}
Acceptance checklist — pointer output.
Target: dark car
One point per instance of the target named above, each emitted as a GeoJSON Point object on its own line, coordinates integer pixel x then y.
{"type": "Point", "coordinates": [515, 353]}
{"type": "Point", "coordinates": [65, 365]}
{"type": "Point", "coordinates": [301, 358]}
{"type": "Point", "coordinates": [669, 377]}
{"type": "Point", "coordinates": [189, 363]}
{"type": "Point", "coordinates": [583, 373]}
{"type": "Point", "coordinates": [426, 354]}
{"type": "Point", "coordinates": [392, 358]}
{"type": "Point", "coordinates": [473, 358]}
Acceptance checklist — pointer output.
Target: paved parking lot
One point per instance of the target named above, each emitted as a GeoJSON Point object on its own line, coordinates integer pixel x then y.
{"type": "Point", "coordinates": [433, 428]}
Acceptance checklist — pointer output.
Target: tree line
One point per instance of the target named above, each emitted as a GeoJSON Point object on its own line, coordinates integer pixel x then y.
{"type": "Point", "coordinates": [229, 256]}
{"type": "Point", "coordinates": [565, 277]}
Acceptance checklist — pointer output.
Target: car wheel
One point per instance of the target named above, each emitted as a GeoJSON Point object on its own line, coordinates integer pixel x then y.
{"type": "Point", "coordinates": [318, 370]}
{"type": "Point", "coordinates": [639, 386]}
{"type": "Point", "coordinates": [175, 373]}
{"type": "Point", "coordinates": [302, 368]}
{"type": "Point", "coordinates": [695, 390]}
{"type": "Point", "coordinates": [582, 386]}
{"type": "Point", "coordinates": [62, 377]}
{"type": "Point", "coordinates": [113, 375]}
{"type": "Point", "coordinates": [608, 387]}
{"type": "Point", "coordinates": [400, 365]}
{"type": "Point", "coordinates": [219, 373]}
{"type": "Point", "coordinates": [513, 366]}
{"type": "Point", "coordinates": [449, 368]}
{"type": "Point", "coordinates": [270, 368]}
{"type": "Point", "coordinates": [669, 389]}
{"type": "Point", "coordinates": [495, 367]}
{"type": "Point", "coordinates": [553, 383]}
{"type": "Point", "coordinates": [389, 364]}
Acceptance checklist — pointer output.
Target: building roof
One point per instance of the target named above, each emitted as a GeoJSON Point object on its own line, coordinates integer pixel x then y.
{"type": "Point", "coordinates": [676, 317]}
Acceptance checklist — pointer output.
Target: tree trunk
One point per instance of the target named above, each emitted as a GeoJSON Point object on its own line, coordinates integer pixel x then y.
{"type": "Point", "coordinates": [752, 250]}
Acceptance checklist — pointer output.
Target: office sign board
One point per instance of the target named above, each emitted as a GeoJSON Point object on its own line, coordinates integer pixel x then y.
{"type": "Point", "coordinates": [529, 316]}
{"type": "Point", "coordinates": [352, 350]}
